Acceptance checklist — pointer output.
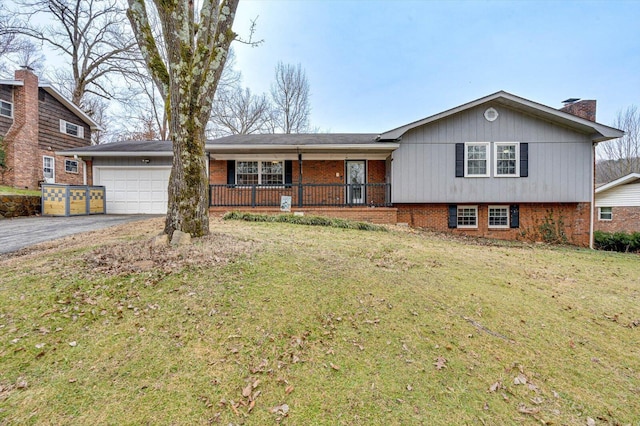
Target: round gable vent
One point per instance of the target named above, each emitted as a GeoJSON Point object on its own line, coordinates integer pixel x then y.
{"type": "Point", "coordinates": [491, 114]}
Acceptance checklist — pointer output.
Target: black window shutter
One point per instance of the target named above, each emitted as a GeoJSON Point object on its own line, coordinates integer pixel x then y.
{"type": "Point", "coordinates": [231, 172]}
{"type": "Point", "coordinates": [453, 216]}
{"type": "Point", "coordinates": [524, 160]}
{"type": "Point", "coordinates": [514, 212]}
{"type": "Point", "coordinates": [459, 160]}
{"type": "Point", "coordinates": [288, 172]}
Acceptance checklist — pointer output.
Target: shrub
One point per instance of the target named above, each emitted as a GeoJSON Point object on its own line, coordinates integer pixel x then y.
{"type": "Point", "coordinates": [303, 220]}
{"type": "Point", "coordinates": [617, 241]}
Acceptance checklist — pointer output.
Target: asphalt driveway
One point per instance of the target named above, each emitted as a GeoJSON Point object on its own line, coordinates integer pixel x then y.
{"type": "Point", "coordinates": [22, 232]}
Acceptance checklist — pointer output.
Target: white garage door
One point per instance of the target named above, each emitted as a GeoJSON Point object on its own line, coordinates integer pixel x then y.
{"type": "Point", "coordinates": [134, 190]}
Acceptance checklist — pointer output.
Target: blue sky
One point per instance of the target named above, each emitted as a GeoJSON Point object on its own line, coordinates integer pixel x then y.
{"type": "Point", "coordinates": [376, 65]}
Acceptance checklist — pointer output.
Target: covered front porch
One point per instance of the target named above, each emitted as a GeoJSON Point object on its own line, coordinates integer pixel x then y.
{"type": "Point", "coordinates": [318, 171]}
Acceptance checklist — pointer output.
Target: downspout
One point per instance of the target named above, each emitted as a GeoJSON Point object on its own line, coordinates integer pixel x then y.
{"type": "Point", "coordinates": [593, 190]}
{"type": "Point", "coordinates": [84, 171]}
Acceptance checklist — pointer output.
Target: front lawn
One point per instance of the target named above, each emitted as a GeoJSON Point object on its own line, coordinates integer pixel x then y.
{"type": "Point", "coordinates": [271, 322]}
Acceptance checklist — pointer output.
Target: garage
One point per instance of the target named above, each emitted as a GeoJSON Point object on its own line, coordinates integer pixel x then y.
{"type": "Point", "coordinates": [134, 190]}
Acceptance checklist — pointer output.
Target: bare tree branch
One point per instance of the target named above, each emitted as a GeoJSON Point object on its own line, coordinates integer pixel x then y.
{"type": "Point", "coordinates": [290, 95]}
{"type": "Point", "coordinates": [619, 157]}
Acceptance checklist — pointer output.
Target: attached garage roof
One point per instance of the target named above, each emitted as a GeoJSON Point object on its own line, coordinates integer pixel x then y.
{"type": "Point", "coordinates": [240, 143]}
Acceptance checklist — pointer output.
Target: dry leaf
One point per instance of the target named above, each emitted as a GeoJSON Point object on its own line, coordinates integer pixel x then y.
{"type": "Point", "coordinates": [335, 367]}
{"type": "Point", "coordinates": [288, 389]}
{"type": "Point", "coordinates": [247, 391]}
{"type": "Point", "coordinates": [520, 380]}
{"type": "Point", "coordinates": [409, 388]}
{"type": "Point", "coordinates": [537, 400]}
{"type": "Point", "coordinates": [281, 410]}
{"type": "Point", "coordinates": [526, 410]}
{"type": "Point", "coordinates": [496, 386]}
{"type": "Point", "coordinates": [591, 422]}
{"type": "Point", "coordinates": [251, 405]}
{"type": "Point", "coordinates": [440, 363]}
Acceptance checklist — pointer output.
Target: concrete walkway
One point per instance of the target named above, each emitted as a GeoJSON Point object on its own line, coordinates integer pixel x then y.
{"type": "Point", "coordinates": [22, 232]}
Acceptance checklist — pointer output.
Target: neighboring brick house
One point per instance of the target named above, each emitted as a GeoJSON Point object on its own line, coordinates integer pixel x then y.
{"type": "Point", "coordinates": [618, 205]}
{"type": "Point", "coordinates": [500, 166]}
{"type": "Point", "coordinates": [35, 122]}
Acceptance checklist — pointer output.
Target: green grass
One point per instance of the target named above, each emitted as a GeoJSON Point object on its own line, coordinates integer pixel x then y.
{"type": "Point", "coordinates": [342, 326]}
{"type": "Point", "coordinates": [7, 190]}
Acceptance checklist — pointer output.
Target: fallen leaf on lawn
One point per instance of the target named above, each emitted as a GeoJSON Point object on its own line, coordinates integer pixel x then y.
{"type": "Point", "coordinates": [288, 389]}
{"type": "Point", "coordinates": [537, 400]}
{"type": "Point", "coordinates": [251, 405]}
{"type": "Point", "coordinates": [409, 388]}
{"type": "Point", "coordinates": [247, 390]}
{"type": "Point", "coordinates": [40, 346]}
{"type": "Point", "coordinates": [532, 387]}
{"type": "Point", "coordinates": [486, 406]}
{"type": "Point", "coordinates": [72, 380]}
{"type": "Point", "coordinates": [496, 386]}
{"type": "Point", "coordinates": [441, 362]}
{"type": "Point", "coordinates": [281, 410]}
{"type": "Point", "coordinates": [335, 367]}
{"type": "Point", "coordinates": [527, 410]}
{"type": "Point", "coordinates": [521, 379]}
{"type": "Point", "coordinates": [591, 422]}
{"type": "Point", "coordinates": [73, 344]}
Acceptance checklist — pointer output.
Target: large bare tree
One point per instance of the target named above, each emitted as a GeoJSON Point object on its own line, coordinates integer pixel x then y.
{"type": "Point", "coordinates": [238, 111]}
{"type": "Point", "coordinates": [621, 156]}
{"type": "Point", "coordinates": [290, 95]}
{"type": "Point", "coordinates": [92, 35]}
{"type": "Point", "coordinates": [13, 47]}
{"type": "Point", "coordinates": [196, 45]}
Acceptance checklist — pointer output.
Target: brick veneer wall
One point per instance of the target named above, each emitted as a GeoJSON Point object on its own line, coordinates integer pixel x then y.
{"type": "Point", "coordinates": [313, 171]}
{"type": "Point", "coordinates": [61, 175]}
{"type": "Point", "coordinates": [625, 219]}
{"type": "Point", "coordinates": [575, 218]}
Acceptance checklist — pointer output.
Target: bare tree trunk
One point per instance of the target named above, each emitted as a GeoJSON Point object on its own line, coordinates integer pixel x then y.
{"type": "Point", "coordinates": [188, 208]}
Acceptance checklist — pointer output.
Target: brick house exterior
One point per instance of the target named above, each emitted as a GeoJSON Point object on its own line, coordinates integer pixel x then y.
{"type": "Point", "coordinates": [500, 167]}
{"type": "Point", "coordinates": [35, 122]}
{"type": "Point", "coordinates": [618, 205]}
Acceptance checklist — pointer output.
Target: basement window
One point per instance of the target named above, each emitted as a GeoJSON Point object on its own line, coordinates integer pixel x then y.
{"type": "Point", "coordinates": [467, 216]}
{"type": "Point", "coordinates": [71, 129]}
{"type": "Point", "coordinates": [6, 109]}
{"type": "Point", "coordinates": [605, 213]}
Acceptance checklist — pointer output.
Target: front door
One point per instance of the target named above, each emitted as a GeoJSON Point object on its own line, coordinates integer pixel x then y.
{"type": "Point", "coordinates": [355, 182]}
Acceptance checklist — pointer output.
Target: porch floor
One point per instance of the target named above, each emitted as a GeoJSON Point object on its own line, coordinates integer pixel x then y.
{"type": "Point", "coordinates": [379, 215]}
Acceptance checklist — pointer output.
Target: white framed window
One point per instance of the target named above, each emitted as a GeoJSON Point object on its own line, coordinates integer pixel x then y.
{"type": "Point", "coordinates": [476, 159]}
{"type": "Point", "coordinates": [605, 213]}
{"type": "Point", "coordinates": [6, 109]}
{"type": "Point", "coordinates": [506, 159]}
{"type": "Point", "coordinates": [467, 216]}
{"type": "Point", "coordinates": [71, 129]}
{"type": "Point", "coordinates": [498, 216]}
{"type": "Point", "coordinates": [71, 166]}
{"type": "Point", "coordinates": [49, 169]}
{"type": "Point", "coordinates": [260, 172]}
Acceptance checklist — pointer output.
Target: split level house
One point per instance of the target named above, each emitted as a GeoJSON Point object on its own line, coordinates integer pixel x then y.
{"type": "Point", "coordinates": [500, 166]}
{"type": "Point", "coordinates": [36, 121]}
{"type": "Point", "coordinates": [618, 205]}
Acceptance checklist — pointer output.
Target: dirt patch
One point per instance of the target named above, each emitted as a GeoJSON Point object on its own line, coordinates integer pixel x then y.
{"type": "Point", "coordinates": [127, 248]}
{"type": "Point", "coordinates": [143, 256]}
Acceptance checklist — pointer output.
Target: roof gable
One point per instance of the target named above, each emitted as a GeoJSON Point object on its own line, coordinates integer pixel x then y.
{"type": "Point", "coordinates": [47, 87]}
{"type": "Point", "coordinates": [630, 178]}
{"type": "Point", "coordinates": [599, 132]}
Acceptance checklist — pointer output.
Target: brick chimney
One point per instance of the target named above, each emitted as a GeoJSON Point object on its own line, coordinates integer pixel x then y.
{"type": "Point", "coordinates": [21, 140]}
{"type": "Point", "coordinates": [582, 108]}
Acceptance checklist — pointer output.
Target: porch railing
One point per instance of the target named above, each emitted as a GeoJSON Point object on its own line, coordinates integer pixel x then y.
{"type": "Point", "coordinates": [302, 195]}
